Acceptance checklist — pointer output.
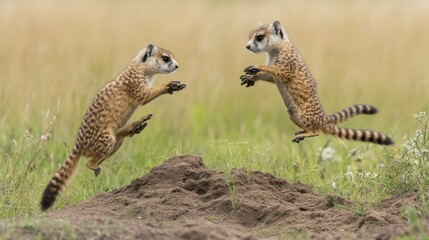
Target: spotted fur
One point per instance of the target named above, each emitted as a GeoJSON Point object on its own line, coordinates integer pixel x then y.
{"type": "Point", "coordinates": [287, 70]}
{"type": "Point", "coordinates": [104, 124]}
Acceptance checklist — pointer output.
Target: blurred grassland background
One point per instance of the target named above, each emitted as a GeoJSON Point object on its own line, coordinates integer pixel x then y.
{"type": "Point", "coordinates": [55, 56]}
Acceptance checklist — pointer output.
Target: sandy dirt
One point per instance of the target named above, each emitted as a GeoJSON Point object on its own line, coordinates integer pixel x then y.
{"type": "Point", "coordinates": [182, 199]}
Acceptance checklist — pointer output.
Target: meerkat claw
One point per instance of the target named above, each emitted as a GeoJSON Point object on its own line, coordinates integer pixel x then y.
{"type": "Point", "coordinates": [251, 70]}
{"type": "Point", "coordinates": [147, 117]}
{"type": "Point", "coordinates": [297, 139]}
{"type": "Point", "coordinates": [175, 86]}
{"type": "Point", "coordinates": [97, 171]}
{"type": "Point", "coordinates": [139, 128]}
{"type": "Point", "coordinates": [246, 80]}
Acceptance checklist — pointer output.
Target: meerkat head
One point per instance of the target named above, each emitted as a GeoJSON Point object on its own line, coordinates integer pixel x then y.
{"type": "Point", "coordinates": [265, 37]}
{"type": "Point", "coordinates": [156, 59]}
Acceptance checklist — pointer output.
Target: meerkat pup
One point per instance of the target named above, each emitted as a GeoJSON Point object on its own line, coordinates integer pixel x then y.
{"type": "Point", "coordinates": [287, 70]}
{"type": "Point", "coordinates": [104, 125]}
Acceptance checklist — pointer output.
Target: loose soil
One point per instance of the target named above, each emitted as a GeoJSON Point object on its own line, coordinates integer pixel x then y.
{"type": "Point", "coordinates": [182, 199]}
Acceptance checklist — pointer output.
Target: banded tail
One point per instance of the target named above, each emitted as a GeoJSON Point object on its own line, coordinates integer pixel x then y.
{"type": "Point", "coordinates": [360, 135]}
{"type": "Point", "coordinates": [351, 111]}
{"type": "Point", "coordinates": [58, 181]}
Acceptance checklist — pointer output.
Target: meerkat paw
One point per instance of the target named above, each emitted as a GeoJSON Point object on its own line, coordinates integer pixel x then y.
{"type": "Point", "coordinates": [147, 117]}
{"type": "Point", "coordinates": [175, 86]}
{"type": "Point", "coordinates": [96, 171]}
{"type": "Point", "coordinates": [141, 124]}
{"type": "Point", "coordinates": [139, 128]}
{"type": "Point", "coordinates": [304, 134]}
{"type": "Point", "coordinates": [298, 139]}
{"type": "Point", "coordinates": [247, 80]}
{"type": "Point", "coordinates": [251, 70]}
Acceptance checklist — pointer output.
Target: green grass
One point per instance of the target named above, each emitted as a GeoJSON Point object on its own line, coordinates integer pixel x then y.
{"type": "Point", "coordinates": [408, 165]}
{"type": "Point", "coordinates": [55, 57]}
{"type": "Point", "coordinates": [417, 229]}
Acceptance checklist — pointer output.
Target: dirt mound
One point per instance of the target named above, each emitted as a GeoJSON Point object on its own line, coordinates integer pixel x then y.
{"type": "Point", "coordinates": [101, 227]}
{"type": "Point", "coordinates": [183, 197]}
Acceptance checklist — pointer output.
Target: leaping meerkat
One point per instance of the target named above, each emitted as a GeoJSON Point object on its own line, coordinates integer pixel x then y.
{"type": "Point", "coordinates": [104, 124]}
{"type": "Point", "coordinates": [286, 68]}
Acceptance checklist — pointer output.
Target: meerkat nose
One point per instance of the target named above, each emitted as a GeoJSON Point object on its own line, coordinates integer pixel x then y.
{"type": "Point", "coordinates": [177, 66]}
{"type": "Point", "coordinates": [248, 46]}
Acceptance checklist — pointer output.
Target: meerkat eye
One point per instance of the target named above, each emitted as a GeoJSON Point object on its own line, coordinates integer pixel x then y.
{"type": "Point", "coordinates": [166, 59]}
{"type": "Point", "coordinates": [259, 38]}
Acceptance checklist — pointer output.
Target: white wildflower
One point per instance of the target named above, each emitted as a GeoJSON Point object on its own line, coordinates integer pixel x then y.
{"type": "Point", "coordinates": [327, 154]}
{"type": "Point", "coordinates": [45, 137]}
{"type": "Point", "coordinates": [418, 133]}
{"type": "Point", "coordinates": [420, 116]}
{"type": "Point", "coordinates": [367, 174]}
{"type": "Point", "coordinates": [27, 135]}
{"type": "Point", "coordinates": [349, 175]}
{"type": "Point", "coordinates": [334, 186]}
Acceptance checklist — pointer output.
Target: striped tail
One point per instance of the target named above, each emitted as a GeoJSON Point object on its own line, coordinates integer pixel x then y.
{"type": "Point", "coordinates": [58, 181]}
{"type": "Point", "coordinates": [351, 111]}
{"type": "Point", "coordinates": [360, 135]}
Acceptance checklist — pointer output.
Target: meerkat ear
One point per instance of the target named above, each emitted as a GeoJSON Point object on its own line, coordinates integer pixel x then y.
{"type": "Point", "coordinates": [277, 29]}
{"type": "Point", "coordinates": [150, 51]}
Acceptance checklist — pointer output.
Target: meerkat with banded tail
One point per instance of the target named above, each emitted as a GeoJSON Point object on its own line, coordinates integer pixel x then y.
{"type": "Point", "coordinates": [286, 69]}
{"type": "Point", "coordinates": [104, 124]}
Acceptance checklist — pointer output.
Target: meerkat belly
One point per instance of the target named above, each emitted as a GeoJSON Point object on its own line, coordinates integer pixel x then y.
{"type": "Point", "coordinates": [290, 103]}
{"type": "Point", "coordinates": [287, 98]}
{"type": "Point", "coordinates": [115, 114]}
{"type": "Point", "coordinates": [126, 116]}
{"type": "Point", "coordinates": [120, 114]}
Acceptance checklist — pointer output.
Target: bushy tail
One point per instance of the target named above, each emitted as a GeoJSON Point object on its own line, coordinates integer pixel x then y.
{"type": "Point", "coordinates": [351, 111]}
{"type": "Point", "coordinates": [58, 181]}
{"type": "Point", "coordinates": [360, 135]}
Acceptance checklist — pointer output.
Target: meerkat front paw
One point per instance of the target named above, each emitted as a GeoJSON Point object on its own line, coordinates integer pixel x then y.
{"type": "Point", "coordinates": [147, 117]}
{"type": "Point", "coordinates": [251, 70]}
{"type": "Point", "coordinates": [175, 86]}
{"type": "Point", "coordinates": [246, 79]}
{"type": "Point", "coordinates": [140, 125]}
{"type": "Point", "coordinates": [139, 128]}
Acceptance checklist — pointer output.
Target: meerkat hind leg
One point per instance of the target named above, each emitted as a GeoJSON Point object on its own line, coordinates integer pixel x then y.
{"type": "Point", "coordinates": [92, 164]}
{"type": "Point", "coordinates": [299, 137]}
{"type": "Point", "coordinates": [103, 148]}
{"type": "Point", "coordinates": [95, 162]}
{"type": "Point", "coordinates": [114, 143]}
{"type": "Point", "coordinates": [300, 131]}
